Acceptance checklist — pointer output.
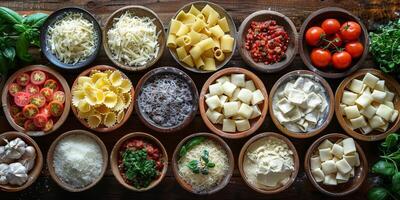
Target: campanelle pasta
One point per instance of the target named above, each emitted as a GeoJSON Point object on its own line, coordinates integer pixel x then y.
{"type": "Point", "coordinates": [201, 38]}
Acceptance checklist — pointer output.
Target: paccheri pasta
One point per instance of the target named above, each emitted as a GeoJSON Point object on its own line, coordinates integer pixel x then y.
{"type": "Point", "coordinates": [200, 38]}
{"type": "Point", "coordinates": [102, 97]}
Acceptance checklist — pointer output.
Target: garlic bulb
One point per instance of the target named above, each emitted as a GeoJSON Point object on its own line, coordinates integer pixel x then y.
{"type": "Point", "coordinates": [17, 174]}
{"type": "Point", "coordinates": [3, 157]}
{"type": "Point", "coordinates": [15, 149]}
{"type": "Point", "coordinates": [4, 169]}
{"type": "Point", "coordinates": [28, 158]}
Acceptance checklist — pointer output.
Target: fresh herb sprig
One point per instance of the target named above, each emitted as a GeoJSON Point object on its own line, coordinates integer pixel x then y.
{"type": "Point", "coordinates": [190, 144]}
{"type": "Point", "coordinates": [201, 166]}
{"type": "Point", "coordinates": [139, 170]}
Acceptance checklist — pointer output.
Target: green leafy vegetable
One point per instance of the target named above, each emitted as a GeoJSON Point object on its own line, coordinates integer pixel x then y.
{"type": "Point", "coordinates": [10, 16]}
{"type": "Point", "coordinates": [139, 170]}
{"type": "Point", "coordinates": [378, 193]}
{"type": "Point", "coordinates": [190, 144]}
{"type": "Point", "coordinates": [383, 167]}
{"type": "Point", "coordinates": [396, 182]}
{"type": "Point", "coordinates": [201, 166]}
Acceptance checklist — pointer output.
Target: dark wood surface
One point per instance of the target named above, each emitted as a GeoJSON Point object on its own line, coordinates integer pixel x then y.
{"type": "Point", "coordinates": [371, 12]}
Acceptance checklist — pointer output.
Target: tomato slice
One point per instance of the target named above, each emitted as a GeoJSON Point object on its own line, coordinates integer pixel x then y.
{"type": "Point", "coordinates": [48, 93]}
{"type": "Point", "coordinates": [38, 100]}
{"type": "Point", "coordinates": [21, 99]}
{"type": "Point", "coordinates": [48, 126]}
{"type": "Point", "coordinates": [23, 79]}
{"type": "Point", "coordinates": [52, 84]}
{"type": "Point", "coordinates": [14, 88]}
{"type": "Point", "coordinates": [30, 111]}
{"type": "Point", "coordinates": [20, 119]}
{"type": "Point", "coordinates": [14, 110]}
{"type": "Point", "coordinates": [45, 111]}
{"type": "Point", "coordinates": [29, 125]}
{"type": "Point", "coordinates": [38, 77]}
{"type": "Point", "coordinates": [59, 96]}
{"type": "Point", "coordinates": [40, 120]}
{"type": "Point", "coordinates": [32, 89]}
{"type": "Point", "coordinates": [56, 108]}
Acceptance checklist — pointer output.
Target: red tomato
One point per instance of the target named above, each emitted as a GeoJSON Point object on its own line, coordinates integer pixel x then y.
{"type": "Point", "coordinates": [45, 111]}
{"type": "Point", "coordinates": [355, 49]}
{"type": "Point", "coordinates": [40, 120]}
{"type": "Point", "coordinates": [21, 99]}
{"type": "Point", "coordinates": [330, 26]}
{"type": "Point", "coordinates": [20, 119]}
{"type": "Point", "coordinates": [56, 108]}
{"type": "Point", "coordinates": [48, 93]}
{"type": "Point", "coordinates": [314, 35]}
{"type": "Point", "coordinates": [23, 79]}
{"type": "Point", "coordinates": [38, 100]}
{"type": "Point", "coordinates": [350, 31]}
{"type": "Point", "coordinates": [32, 89]}
{"type": "Point", "coordinates": [14, 88]}
{"type": "Point", "coordinates": [341, 60]}
{"type": "Point", "coordinates": [29, 125]}
{"type": "Point", "coordinates": [320, 57]}
{"type": "Point", "coordinates": [30, 111]}
{"type": "Point", "coordinates": [48, 126]}
{"type": "Point", "coordinates": [38, 77]}
{"type": "Point", "coordinates": [52, 84]}
{"type": "Point", "coordinates": [335, 41]}
{"type": "Point", "coordinates": [59, 96]}
{"type": "Point", "coordinates": [14, 110]}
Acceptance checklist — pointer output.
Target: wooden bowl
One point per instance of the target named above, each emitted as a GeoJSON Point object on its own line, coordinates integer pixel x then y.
{"type": "Point", "coordinates": [156, 72]}
{"type": "Point", "coordinates": [103, 128]}
{"type": "Point", "coordinates": [315, 19]}
{"type": "Point", "coordinates": [186, 185]}
{"type": "Point", "coordinates": [6, 100]}
{"type": "Point", "coordinates": [282, 20]}
{"type": "Point", "coordinates": [50, 162]}
{"type": "Point", "coordinates": [342, 189]}
{"type": "Point", "coordinates": [330, 98]}
{"type": "Point", "coordinates": [223, 13]}
{"type": "Point", "coordinates": [391, 83]}
{"type": "Point", "coordinates": [139, 11]}
{"type": "Point", "coordinates": [296, 161]}
{"type": "Point", "coordinates": [51, 20]}
{"type": "Point", "coordinates": [115, 156]}
{"type": "Point", "coordinates": [254, 123]}
{"type": "Point", "coordinates": [37, 168]}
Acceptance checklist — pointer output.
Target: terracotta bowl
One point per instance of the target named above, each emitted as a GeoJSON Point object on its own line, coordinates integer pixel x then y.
{"type": "Point", "coordinates": [223, 13]}
{"type": "Point", "coordinates": [315, 19]}
{"type": "Point", "coordinates": [5, 99]}
{"type": "Point", "coordinates": [156, 72]}
{"type": "Point", "coordinates": [50, 158]}
{"type": "Point", "coordinates": [128, 111]}
{"type": "Point", "coordinates": [186, 185]}
{"type": "Point", "coordinates": [329, 94]}
{"type": "Point", "coordinates": [114, 157]}
{"type": "Point", "coordinates": [272, 190]}
{"type": "Point", "coordinates": [254, 123]}
{"type": "Point", "coordinates": [37, 168]}
{"type": "Point", "coordinates": [342, 189]}
{"type": "Point", "coordinates": [281, 20]}
{"type": "Point", "coordinates": [139, 11]}
{"type": "Point", "coordinates": [393, 86]}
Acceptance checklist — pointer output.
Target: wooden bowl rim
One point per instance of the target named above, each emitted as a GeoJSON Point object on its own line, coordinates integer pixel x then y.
{"type": "Point", "coordinates": [261, 66]}
{"type": "Point", "coordinates": [232, 33]}
{"type": "Point", "coordinates": [331, 103]}
{"type": "Point", "coordinates": [50, 158]}
{"type": "Point", "coordinates": [363, 166]}
{"type": "Point", "coordinates": [186, 78]}
{"type": "Point", "coordinates": [296, 161]}
{"type": "Point", "coordinates": [305, 57]}
{"type": "Point", "coordinates": [34, 173]}
{"type": "Point", "coordinates": [67, 103]}
{"type": "Point", "coordinates": [114, 160]}
{"type": "Point", "coordinates": [228, 175]}
{"type": "Point", "coordinates": [128, 110]}
{"type": "Point", "coordinates": [108, 25]}
{"type": "Point", "coordinates": [260, 85]}
{"type": "Point", "coordinates": [338, 98]}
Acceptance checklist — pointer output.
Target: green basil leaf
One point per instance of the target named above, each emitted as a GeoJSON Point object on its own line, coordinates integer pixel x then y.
{"type": "Point", "coordinates": [9, 53]}
{"type": "Point", "coordinates": [193, 165]}
{"type": "Point", "coordinates": [210, 165]}
{"type": "Point", "coordinates": [35, 20]}
{"type": "Point", "coordinates": [391, 141]}
{"type": "Point", "coordinates": [22, 47]}
{"type": "Point", "coordinates": [183, 151]}
{"type": "Point", "coordinates": [383, 167]}
{"type": "Point", "coordinates": [190, 144]}
{"type": "Point", "coordinates": [396, 182]}
{"type": "Point", "coordinates": [10, 16]}
{"type": "Point", "coordinates": [20, 28]}
{"type": "Point", "coordinates": [378, 193]}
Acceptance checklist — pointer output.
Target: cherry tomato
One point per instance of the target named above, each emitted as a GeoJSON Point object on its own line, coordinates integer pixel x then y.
{"type": "Point", "coordinates": [341, 60]}
{"type": "Point", "coordinates": [59, 96]}
{"type": "Point", "coordinates": [330, 26]}
{"type": "Point", "coordinates": [14, 110]}
{"type": "Point", "coordinates": [19, 119]}
{"type": "Point", "coordinates": [52, 84]}
{"type": "Point", "coordinates": [320, 57]}
{"type": "Point", "coordinates": [45, 111]}
{"type": "Point", "coordinates": [38, 77]}
{"type": "Point", "coordinates": [314, 35]}
{"type": "Point", "coordinates": [48, 126]}
{"type": "Point", "coordinates": [14, 88]}
{"type": "Point", "coordinates": [48, 93]}
{"type": "Point", "coordinates": [30, 111]}
{"type": "Point", "coordinates": [32, 89]}
{"type": "Point", "coordinates": [56, 108]}
{"type": "Point", "coordinates": [23, 79]}
{"type": "Point", "coordinates": [40, 120]}
{"type": "Point", "coordinates": [335, 41]}
{"type": "Point", "coordinates": [21, 99]}
{"type": "Point", "coordinates": [38, 100]}
{"type": "Point", "coordinates": [29, 125]}
{"type": "Point", "coordinates": [355, 49]}
{"type": "Point", "coordinates": [350, 31]}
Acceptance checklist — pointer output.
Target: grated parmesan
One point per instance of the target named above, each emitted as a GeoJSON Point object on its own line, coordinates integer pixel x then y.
{"type": "Point", "coordinates": [133, 40]}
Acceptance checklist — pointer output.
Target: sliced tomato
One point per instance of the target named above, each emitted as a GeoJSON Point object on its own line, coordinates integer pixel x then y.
{"type": "Point", "coordinates": [48, 126]}
{"type": "Point", "coordinates": [32, 89]}
{"type": "Point", "coordinates": [52, 84]}
{"type": "Point", "coordinates": [14, 110]}
{"type": "Point", "coordinates": [38, 100]}
{"type": "Point", "coordinates": [21, 99]}
{"type": "Point", "coordinates": [59, 96]}
{"type": "Point", "coordinates": [38, 77]}
{"type": "Point", "coordinates": [40, 120]}
{"type": "Point", "coordinates": [30, 111]}
{"type": "Point", "coordinates": [23, 79]}
{"type": "Point", "coordinates": [20, 119]}
{"type": "Point", "coordinates": [48, 93]}
{"type": "Point", "coordinates": [45, 111]}
{"type": "Point", "coordinates": [29, 125]}
{"type": "Point", "coordinates": [56, 108]}
{"type": "Point", "coordinates": [14, 88]}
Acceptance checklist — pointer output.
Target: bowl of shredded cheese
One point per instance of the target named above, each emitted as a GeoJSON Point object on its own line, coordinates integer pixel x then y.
{"type": "Point", "coordinates": [133, 38]}
{"type": "Point", "coordinates": [70, 38]}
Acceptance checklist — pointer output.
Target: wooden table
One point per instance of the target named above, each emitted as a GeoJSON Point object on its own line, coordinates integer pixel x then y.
{"type": "Point", "coordinates": [371, 12]}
